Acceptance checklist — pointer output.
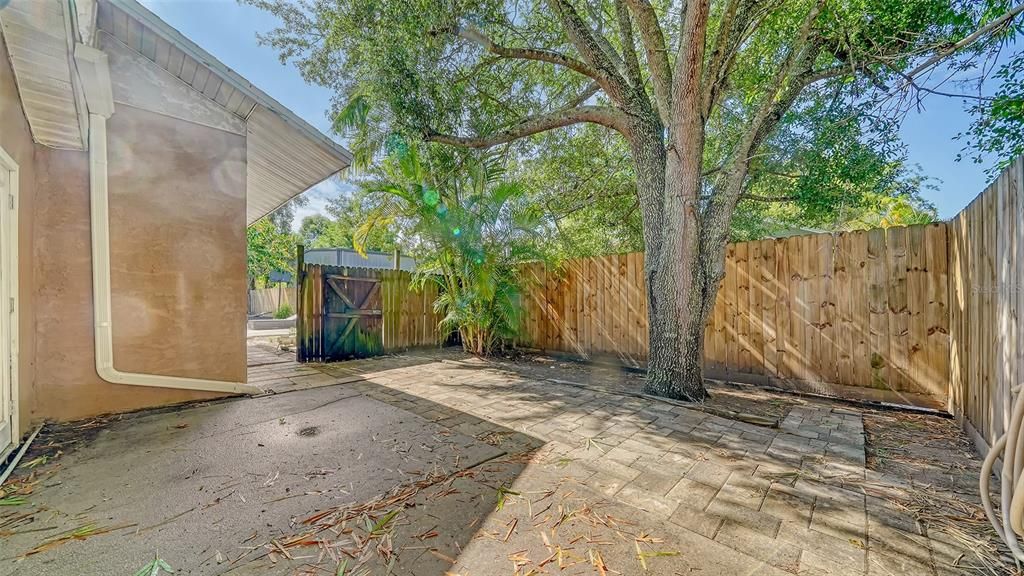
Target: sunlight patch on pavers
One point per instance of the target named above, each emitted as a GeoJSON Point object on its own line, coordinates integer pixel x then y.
{"type": "Point", "coordinates": [790, 499]}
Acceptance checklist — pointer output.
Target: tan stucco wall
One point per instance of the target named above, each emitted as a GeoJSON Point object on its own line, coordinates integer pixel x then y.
{"type": "Point", "coordinates": [16, 140]}
{"type": "Point", "coordinates": [177, 201]}
{"type": "Point", "coordinates": [178, 246]}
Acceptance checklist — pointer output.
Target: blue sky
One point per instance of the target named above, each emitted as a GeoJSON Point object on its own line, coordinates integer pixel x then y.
{"type": "Point", "coordinates": [228, 31]}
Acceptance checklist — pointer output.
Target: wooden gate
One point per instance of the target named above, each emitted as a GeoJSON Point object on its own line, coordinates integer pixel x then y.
{"type": "Point", "coordinates": [340, 314]}
{"type": "Point", "coordinates": [344, 312]}
{"type": "Point", "coordinates": [353, 326]}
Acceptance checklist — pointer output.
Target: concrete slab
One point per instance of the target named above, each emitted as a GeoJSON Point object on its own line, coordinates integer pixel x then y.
{"type": "Point", "coordinates": [201, 487]}
{"type": "Point", "coordinates": [250, 332]}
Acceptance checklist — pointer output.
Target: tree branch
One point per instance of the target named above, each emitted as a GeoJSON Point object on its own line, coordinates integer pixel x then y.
{"type": "Point", "coordinates": [739, 22]}
{"type": "Point", "coordinates": [719, 53]}
{"type": "Point", "coordinates": [757, 198]}
{"type": "Point", "coordinates": [783, 92]}
{"type": "Point", "coordinates": [967, 41]}
{"type": "Point", "coordinates": [911, 83]}
{"type": "Point", "coordinates": [686, 90]}
{"type": "Point", "coordinates": [583, 96]}
{"type": "Point", "coordinates": [474, 34]}
{"type": "Point", "coordinates": [653, 39]}
{"type": "Point", "coordinates": [603, 115]}
{"type": "Point", "coordinates": [590, 49]}
{"type": "Point", "coordinates": [611, 54]}
{"type": "Point", "coordinates": [779, 98]}
{"type": "Point", "coordinates": [629, 57]}
{"type": "Point", "coordinates": [852, 67]}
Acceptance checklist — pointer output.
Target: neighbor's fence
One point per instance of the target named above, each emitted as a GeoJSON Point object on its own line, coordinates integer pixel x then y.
{"type": "Point", "coordinates": [269, 300]}
{"type": "Point", "coordinates": [353, 259]}
{"type": "Point", "coordinates": [987, 306]}
{"type": "Point", "coordinates": [342, 315]}
{"type": "Point", "coordinates": [859, 313]}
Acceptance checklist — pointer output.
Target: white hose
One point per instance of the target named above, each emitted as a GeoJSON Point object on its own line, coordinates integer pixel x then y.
{"type": "Point", "coordinates": [1011, 446]}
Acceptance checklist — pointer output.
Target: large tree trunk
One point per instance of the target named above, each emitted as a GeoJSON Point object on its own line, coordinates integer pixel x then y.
{"type": "Point", "coordinates": [676, 353]}
{"type": "Point", "coordinates": [682, 264]}
{"type": "Point", "coordinates": [681, 296]}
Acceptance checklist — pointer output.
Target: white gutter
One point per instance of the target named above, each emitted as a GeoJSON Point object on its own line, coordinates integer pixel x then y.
{"type": "Point", "coordinates": [95, 77]}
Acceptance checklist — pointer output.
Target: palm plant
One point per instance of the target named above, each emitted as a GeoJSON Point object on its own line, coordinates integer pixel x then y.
{"type": "Point", "coordinates": [472, 230]}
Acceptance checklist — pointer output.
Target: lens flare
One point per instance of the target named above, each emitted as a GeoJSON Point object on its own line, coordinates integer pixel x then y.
{"type": "Point", "coordinates": [397, 145]}
{"type": "Point", "coordinates": [431, 197]}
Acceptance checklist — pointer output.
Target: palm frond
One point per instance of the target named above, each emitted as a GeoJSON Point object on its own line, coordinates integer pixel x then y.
{"type": "Point", "coordinates": [381, 215]}
{"type": "Point", "coordinates": [353, 115]}
{"type": "Point", "coordinates": [476, 230]}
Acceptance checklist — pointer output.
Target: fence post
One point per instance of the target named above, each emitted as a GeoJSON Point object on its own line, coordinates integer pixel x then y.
{"type": "Point", "coordinates": [398, 258]}
{"type": "Point", "coordinates": [300, 275]}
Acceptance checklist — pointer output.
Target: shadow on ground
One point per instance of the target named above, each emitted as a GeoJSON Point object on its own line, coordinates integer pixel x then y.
{"type": "Point", "coordinates": [433, 463]}
{"type": "Point", "coordinates": [226, 487]}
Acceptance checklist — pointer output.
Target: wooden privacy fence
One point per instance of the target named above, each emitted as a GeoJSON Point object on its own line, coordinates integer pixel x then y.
{"type": "Point", "coordinates": [346, 312]}
{"type": "Point", "coordinates": [269, 300]}
{"type": "Point", "coordinates": [931, 315]}
{"type": "Point", "coordinates": [987, 305]}
{"type": "Point", "coordinates": [859, 313]}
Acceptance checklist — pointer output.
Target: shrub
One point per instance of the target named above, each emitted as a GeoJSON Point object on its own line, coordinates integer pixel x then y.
{"type": "Point", "coordinates": [285, 311]}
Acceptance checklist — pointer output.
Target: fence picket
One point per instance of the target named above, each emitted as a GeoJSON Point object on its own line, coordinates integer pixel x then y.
{"type": "Point", "coordinates": [837, 314]}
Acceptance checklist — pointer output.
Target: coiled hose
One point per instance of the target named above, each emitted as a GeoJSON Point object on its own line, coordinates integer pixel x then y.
{"type": "Point", "coordinates": [1011, 446]}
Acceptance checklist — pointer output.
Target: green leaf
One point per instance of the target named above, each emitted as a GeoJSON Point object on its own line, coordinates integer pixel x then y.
{"type": "Point", "coordinates": [354, 114]}
{"type": "Point", "coordinates": [154, 567]}
{"type": "Point", "coordinates": [503, 493]}
{"type": "Point", "coordinates": [383, 523]}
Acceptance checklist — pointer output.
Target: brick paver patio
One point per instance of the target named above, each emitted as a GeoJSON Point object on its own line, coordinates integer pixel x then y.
{"type": "Point", "coordinates": [598, 482]}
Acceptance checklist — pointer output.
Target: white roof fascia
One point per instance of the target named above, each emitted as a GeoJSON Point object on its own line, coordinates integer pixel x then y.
{"type": "Point", "coordinates": [143, 15]}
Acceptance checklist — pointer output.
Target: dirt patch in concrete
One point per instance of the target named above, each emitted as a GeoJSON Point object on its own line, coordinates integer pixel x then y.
{"type": "Point", "coordinates": [934, 460]}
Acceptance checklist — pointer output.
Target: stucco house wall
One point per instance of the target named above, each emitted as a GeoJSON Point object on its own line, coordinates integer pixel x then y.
{"type": "Point", "coordinates": [177, 222]}
{"type": "Point", "coordinates": [178, 246]}
{"type": "Point", "coordinates": [16, 140]}
{"type": "Point", "coordinates": [187, 153]}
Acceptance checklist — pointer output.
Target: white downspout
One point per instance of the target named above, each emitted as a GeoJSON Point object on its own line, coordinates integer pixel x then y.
{"type": "Point", "coordinates": [92, 68]}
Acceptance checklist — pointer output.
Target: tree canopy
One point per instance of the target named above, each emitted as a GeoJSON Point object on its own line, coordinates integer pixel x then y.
{"type": "Point", "coordinates": [998, 129]}
{"type": "Point", "coordinates": [269, 249]}
{"type": "Point", "coordinates": [716, 102]}
{"type": "Point", "coordinates": [345, 214]}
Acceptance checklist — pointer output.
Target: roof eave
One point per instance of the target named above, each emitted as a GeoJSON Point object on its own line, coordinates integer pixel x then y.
{"type": "Point", "coordinates": [236, 80]}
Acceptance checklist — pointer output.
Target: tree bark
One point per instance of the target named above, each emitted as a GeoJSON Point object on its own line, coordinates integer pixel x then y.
{"type": "Point", "coordinates": [680, 292]}
{"type": "Point", "coordinates": [676, 353]}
